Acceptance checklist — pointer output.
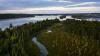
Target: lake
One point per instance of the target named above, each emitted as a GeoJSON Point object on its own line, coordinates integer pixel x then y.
{"type": "Point", "coordinates": [15, 22]}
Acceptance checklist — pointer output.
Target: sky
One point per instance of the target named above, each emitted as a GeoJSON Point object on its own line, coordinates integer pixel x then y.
{"type": "Point", "coordinates": [49, 6]}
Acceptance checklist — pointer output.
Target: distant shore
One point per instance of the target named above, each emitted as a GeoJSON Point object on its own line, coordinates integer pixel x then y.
{"type": "Point", "coordinates": [11, 16]}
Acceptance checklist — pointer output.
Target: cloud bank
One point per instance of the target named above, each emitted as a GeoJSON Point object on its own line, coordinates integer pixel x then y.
{"type": "Point", "coordinates": [49, 6]}
{"type": "Point", "coordinates": [49, 10]}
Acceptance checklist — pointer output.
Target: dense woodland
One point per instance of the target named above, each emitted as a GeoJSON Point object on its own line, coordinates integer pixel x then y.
{"type": "Point", "coordinates": [17, 41]}
{"type": "Point", "coordinates": [86, 15]}
{"type": "Point", "coordinates": [76, 15]}
{"type": "Point", "coordinates": [72, 38]}
{"type": "Point", "coordinates": [68, 38]}
{"type": "Point", "coordinates": [9, 16]}
{"type": "Point", "coordinates": [91, 29]}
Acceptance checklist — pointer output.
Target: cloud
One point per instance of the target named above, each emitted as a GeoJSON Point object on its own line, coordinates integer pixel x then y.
{"type": "Point", "coordinates": [13, 4]}
{"type": "Point", "coordinates": [84, 4]}
{"type": "Point", "coordinates": [1, 0]}
{"type": "Point", "coordinates": [67, 1]}
{"type": "Point", "coordinates": [48, 6]}
{"type": "Point", "coordinates": [55, 10]}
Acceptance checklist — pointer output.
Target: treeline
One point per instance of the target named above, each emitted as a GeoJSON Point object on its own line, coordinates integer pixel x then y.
{"type": "Point", "coordinates": [85, 37]}
{"type": "Point", "coordinates": [91, 29]}
{"type": "Point", "coordinates": [17, 41]}
{"type": "Point", "coordinates": [9, 16]}
{"type": "Point", "coordinates": [86, 15]}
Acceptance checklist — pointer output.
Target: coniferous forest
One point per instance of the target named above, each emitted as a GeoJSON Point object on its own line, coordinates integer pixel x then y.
{"type": "Point", "coordinates": [17, 41]}
{"type": "Point", "coordinates": [67, 38]}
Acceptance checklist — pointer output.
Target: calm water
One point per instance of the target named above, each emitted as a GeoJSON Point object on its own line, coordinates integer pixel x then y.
{"type": "Point", "coordinates": [5, 23]}
{"type": "Point", "coordinates": [98, 19]}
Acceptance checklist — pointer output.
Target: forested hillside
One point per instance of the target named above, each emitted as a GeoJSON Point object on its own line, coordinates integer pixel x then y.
{"type": "Point", "coordinates": [72, 38]}
{"type": "Point", "coordinates": [66, 38]}
{"type": "Point", "coordinates": [17, 41]}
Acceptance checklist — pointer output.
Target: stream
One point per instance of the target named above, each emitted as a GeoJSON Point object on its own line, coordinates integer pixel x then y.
{"type": "Point", "coordinates": [43, 50]}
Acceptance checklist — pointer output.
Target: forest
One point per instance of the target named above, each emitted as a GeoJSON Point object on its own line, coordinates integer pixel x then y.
{"type": "Point", "coordinates": [76, 15]}
{"type": "Point", "coordinates": [68, 38]}
{"type": "Point", "coordinates": [9, 16]}
{"type": "Point", "coordinates": [72, 38]}
{"type": "Point", "coordinates": [86, 15]}
{"type": "Point", "coordinates": [17, 41]}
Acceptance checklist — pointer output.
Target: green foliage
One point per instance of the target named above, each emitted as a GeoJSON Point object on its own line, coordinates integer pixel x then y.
{"type": "Point", "coordinates": [63, 16]}
{"type": "Point", "coordinates": [72, 38]}
{"type": "Point", "coordinates": [79, 16]}
{"type": "Point", "coordinates": [17, 41]}
{"type": "Point", "coordinates": [83, 28]}
{"type": "Point", "coordinates": [68, 38]}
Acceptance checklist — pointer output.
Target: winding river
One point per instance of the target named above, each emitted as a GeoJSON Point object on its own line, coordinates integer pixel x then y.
{"type": "Point", "coordinates": [43, 50]}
